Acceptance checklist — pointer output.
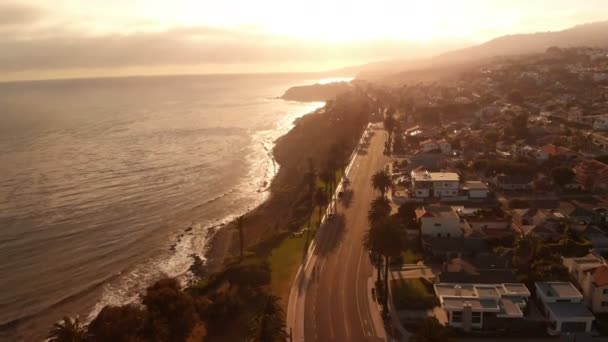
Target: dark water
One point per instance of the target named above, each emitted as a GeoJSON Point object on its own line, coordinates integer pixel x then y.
{"type": "Point", "coordinates": [99, 178]}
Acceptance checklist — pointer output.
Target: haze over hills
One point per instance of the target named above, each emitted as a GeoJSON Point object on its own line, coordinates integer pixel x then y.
{"type": "Point", "coordinates": [593, 35]}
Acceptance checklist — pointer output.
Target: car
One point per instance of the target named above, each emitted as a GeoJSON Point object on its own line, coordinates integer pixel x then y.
{"type": "Point", "coordinates": [340, 194]}
{"type": "Point", "coordinates": [331, 216]}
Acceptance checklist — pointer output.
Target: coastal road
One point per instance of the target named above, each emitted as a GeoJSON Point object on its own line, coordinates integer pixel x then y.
{"type": "Point", "coordinates": [336, 305]}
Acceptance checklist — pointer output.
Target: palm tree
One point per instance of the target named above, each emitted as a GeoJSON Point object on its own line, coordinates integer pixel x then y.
{"type": "Point", "coordinates": [386, 239]}
{"type": "Point", "coordinates": [68, 330]}
{"type": "Point", "coordinates": [327, 177]}
{"type": "Point", "coordinates": [381, 181]}
{"type": "Point", "coordinates": [268, 325]}
{"type": "Point", "coordinates": [430, 331]}
{"type": "Point", "coordinates": [380, 209]}
{"type": "Point", "coordinates": [239, 226]}
{"type": "Point", "coordinates": [389, 125]}
{"type": "Point", "coordinates": [321, 201]}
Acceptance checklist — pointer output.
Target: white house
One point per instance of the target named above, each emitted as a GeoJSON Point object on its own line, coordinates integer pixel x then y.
{"type": "Point", "coordinates": [476, 189]}
{"type": "Point", "coordinates": [562, 304]}
{"type": "Point", "coordinates": [591, 274]}
{"type": "Point", "coordinates": [601, 123]}
{"type": "Point", "coordinates": [468, 306]}
{"type": "Point", "coordinates": [437, 184]}
{"type": "Point", "coordinates": [439, 221]}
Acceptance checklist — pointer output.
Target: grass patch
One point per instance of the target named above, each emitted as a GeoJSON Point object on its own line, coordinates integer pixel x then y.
{"type": "Point", "coordinates": [409, 256]}
{"type": "Point", "coordinates": [413, 294]}
{"type": "Point", "coordinates": [284, 261]}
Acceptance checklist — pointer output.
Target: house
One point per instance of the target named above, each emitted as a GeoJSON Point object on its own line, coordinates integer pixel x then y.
{"type": "Point", "coordinates": [429, 161]}
{"type": "Point", "coordinates": [476, 189]}
{"type": "Point", "coordinates": [481, 306]}
{"type": "Point", "coordinates": [591, 274]}
{"type": "Point", "coordinates": [601, 123]}
{"type": "Point", "coordinates": [439, 221]}
{"type": "Point", "coordinates": [533, 153]}
{"type": "Point", "coordinates": [592, 174]}
{"type": "Point", "coordinates": [445, 146]}
{"type": "Point", "coordinates": [428, 145]}
{"type": "Point", "coordinates": [558, 152]}
{"type": "Point", "coordinates": [563, 306]}
{"type": "Point", "coordinates": [542, 222]}
{"type": "Point", "coordinates": [513, 182]}
{"type": "Point", "coordinates": [598, 238]}
{"type": "Point", "coordinates": [437, 184]}
{"type": "Point", "coordinates": [578, 214]}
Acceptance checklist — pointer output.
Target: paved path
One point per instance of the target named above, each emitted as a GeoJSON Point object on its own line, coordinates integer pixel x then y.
{"type": "Point", "coordinates": [330, 299]}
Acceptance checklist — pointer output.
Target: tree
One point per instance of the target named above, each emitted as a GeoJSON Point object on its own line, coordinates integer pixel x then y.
{"type": "Point", "coordinates": [562, 175]}
{"type": "Point", "coordinates": [321, 201]}
{"type": "Point", "coordinates": [239, 226]}
{"type": "Point", "coordinates": [386, 239]}
{"type": "Point", "coordinates": [117, 324]}
{"type": "Point", "coordinates": [526, 249]}
{"type": "Point", "coordinates": [430, 331]}
{"type": "Point", "coordinates": [268, 325]}
{"type": "Point", "coordinates": [67, 330]}
{"type": "Point", "coordinates": [171, 311]}
{"type": "Point", "coordinates": [380, 209]}
{"type": "Point", "coordinates": [407, 212]}
{"type": "Point", "coordinates": [389, 125]}
{"type": "Point", "coordinates": [381, 181]}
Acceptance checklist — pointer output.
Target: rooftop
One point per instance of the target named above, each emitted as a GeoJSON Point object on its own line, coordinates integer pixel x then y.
{"type": "Point", "coordinates": [504, 299]}
{"type": "Point", "coordinates": [557, 289]}
{"type": "Point", "coordinates": [475, 185]}
{"type": "Point", "coordinates": [435, 176]}
{"type": "Point", "coordinates": [563, 311]}
{"type": "Point", "coordinates": [436, 211]}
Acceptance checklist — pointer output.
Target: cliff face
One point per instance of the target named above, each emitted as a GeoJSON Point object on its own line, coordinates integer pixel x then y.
{"type": "Point", "coordinates": [316, 92]}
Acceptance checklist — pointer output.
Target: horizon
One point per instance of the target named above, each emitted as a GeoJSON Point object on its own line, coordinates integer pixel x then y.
{"type": "Point", "coordinates": [125, 38]}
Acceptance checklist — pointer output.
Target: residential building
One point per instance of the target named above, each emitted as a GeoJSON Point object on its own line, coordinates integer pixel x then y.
{"type": "Point", "coordinates": [563, 306]}
{"type": "Point", "coordinates": [592, 174]}
{"type": "Point", "coordinates": [601, 123]}
{"type": "Point", "coordinates": [444, 146]}
{"type": "Point", "coordinates": [578, 214]}
{"type": "Point", "coordinates": [542, 222]}
{"type": "Point", "coordinates": [513, 182]}
{"type": "Point", "coordinates": [591, 274]}
{"type": "Point", "coordinates": [476, 189]}
{"type": "Point", "coordinates": [428, 145]}
{"type": "Point", "coordinates": [558, 152]}
{"type": "Point", "coordinates": [435, 184]}
{"type": "Point", "coordinates": [439, 221]}
{"type": "Point", "coordinates": [481, 306]}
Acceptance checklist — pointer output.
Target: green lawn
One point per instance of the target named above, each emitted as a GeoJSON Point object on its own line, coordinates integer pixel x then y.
{"type": "Point", "coordinates": [284, 261]}
{"type": "Point", "coordinates": [413, 294]}
{"type": "Point", "coordinates": [410, 256]}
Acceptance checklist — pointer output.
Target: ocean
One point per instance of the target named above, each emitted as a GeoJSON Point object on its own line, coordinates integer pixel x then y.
{"type": "Point", "coordinates": [108, 184]}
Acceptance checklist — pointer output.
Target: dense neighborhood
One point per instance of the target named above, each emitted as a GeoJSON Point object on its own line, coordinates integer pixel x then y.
{"type": "Point", "coordinates": [499, 179]}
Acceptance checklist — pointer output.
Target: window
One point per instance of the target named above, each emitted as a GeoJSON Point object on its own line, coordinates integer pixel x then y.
{"type": "Point", "coordinates": [476, 317]}
{"type": "Point", "coordinates": [457, 317]}
{"type": "Point", "coordinates": [562, 300]}
{"type": "Point", "coordinates": [448, 235]}
{"type": "Point", "coordinates": [438, 234]}
{"type": "Point", "coordinates": [605, 291]}
{"type": "Point", "coordinates": [437, 224]}
{"type": "Point", "coordinates": [604, 304]}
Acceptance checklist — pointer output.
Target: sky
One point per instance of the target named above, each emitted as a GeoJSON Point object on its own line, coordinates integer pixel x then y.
{"type": "Point", "coordinates": [82, 38]}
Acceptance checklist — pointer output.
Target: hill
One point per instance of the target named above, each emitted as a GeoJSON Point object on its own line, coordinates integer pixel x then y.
{"type": "Point", "coordinates": [592, 35]}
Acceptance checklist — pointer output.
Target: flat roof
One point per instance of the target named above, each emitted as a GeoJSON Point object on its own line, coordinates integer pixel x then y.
{"type": "Point", "coordinates": [435, 176]}
{"type": "Point", "coordinates": [558, 289]}
{"type": "Point", "coordinates": [475, 185]}
{"type": "Point", "coordinates": [486, 305]}
{"type": "Point", "coordinates": [510, 307]}
{"type": "Point", "coordinates": [563, 311]}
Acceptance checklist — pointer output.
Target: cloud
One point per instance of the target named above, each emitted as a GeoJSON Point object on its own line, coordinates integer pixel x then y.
{"type": "Point", "coordinates": [183, 46]}
{"type": "Point", "coordinates": [16, 14]}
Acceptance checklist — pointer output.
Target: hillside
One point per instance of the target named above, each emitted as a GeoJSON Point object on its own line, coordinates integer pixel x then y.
{"type": "Point", "coordinates": [316, 92]}
{"type": "Point", "coordinates": [593, 35]}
